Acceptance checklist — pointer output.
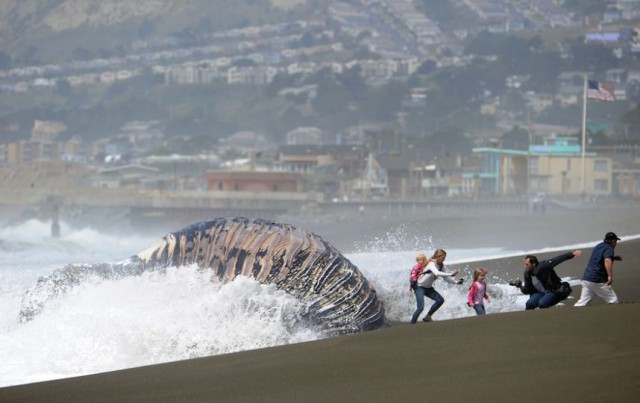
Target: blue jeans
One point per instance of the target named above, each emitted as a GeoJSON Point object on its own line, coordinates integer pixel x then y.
{"type": "Point", "coordinates": [479, 309]}
{"type": "Point", "coordinates": [541, 300]}
{"type": "Point", "coordinates": [421, 292]}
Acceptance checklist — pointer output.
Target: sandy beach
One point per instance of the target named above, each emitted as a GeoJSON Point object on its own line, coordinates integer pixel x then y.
{"type": "Point", "coordinates": [560, 354]}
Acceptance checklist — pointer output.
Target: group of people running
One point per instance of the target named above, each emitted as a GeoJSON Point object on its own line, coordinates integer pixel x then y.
{"type": "Point", "coordinates": [541, 282]}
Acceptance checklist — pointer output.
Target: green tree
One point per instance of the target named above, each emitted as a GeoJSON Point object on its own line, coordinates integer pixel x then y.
{"type": "Point", "coordinates": [363, 53]}
{"type": "Point", "coordinates": [383, 103]}
{"type": "Point", "coordinates": [353, 81]}
{"type": "Point", "coordinates": [244, 62]}
{"type": "Point", "coordinates": [462, 84]}
{"type": "Point", "coordinates": [628, 128]}
{"type": "Point", "coordinates": [331, 98]}
{"type": "Point", "coordinates": [158, 150]}
{"type": "Point", "coordinates": [599, 138]}
{"type": "Point", "coordinates": [486, 44]}
{"type": "Point", "coordinates": [62, 88]}
{"type": "Point", "coordinates": [449, 141]}
{"type": "Point", "coordinates": [514, 102]}
{"type": "Point", "coordinates": [93, 123]}
{"type": "Point", "coordinates": [290, 119]}
{"type": "Point", "coordinates": [82, 53]}
{"type": "Point", "coordinates": [515, 55]}
{"type": "Point", "coordinates": [543, 71]}
{"type": "Point", "coordinates": [427, 67]}
{"type": "Point", "coordinates": [136, 86]}
{"type": "Point", "coordinates": [591, 57]}
{"type": "Point", "coordinates": [30, 55]}
{"type": "Point", "coordinates": [307, 40]}
{"type": "Point", "coordinates": [586, 7]}
{"type": "Point", "coordinates": [116, 90]}
{"type": "Point", "coordinates": [633, 91]}
{"type": "Point", "coordinates": [105, 53]}
{"type": "Point", "coordinates": [516, 139]}
{"type": "Point", "coordinates": [439, 10]}
{"type": "Point", "coordinates": [145, 81]}
{"type": "Point", "coordinates": [146, 29]}
{"type": "Point", "coordinates": [136, 108]}
{"type": "Point", "coordinates": [279, 82]}
{"type": "Point", "coordinates": [206, 24]}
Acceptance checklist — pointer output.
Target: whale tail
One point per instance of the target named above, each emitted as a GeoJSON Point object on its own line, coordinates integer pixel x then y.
{"type": "Point", "coordinates": [65, 278]}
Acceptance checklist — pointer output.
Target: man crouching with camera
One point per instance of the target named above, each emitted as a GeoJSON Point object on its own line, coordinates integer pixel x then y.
{"type": "Point", "coordinates": [542, 282]}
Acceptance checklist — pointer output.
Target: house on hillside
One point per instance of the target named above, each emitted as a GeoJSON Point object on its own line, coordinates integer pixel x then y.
{"type": "Point", "coordinates": [304, 159]}
{"type": "Point", "coordinates": [245, 141]}
{"type": "Point", "coordinates": [305, 135]}
{"type": "Point", "coordinates": [46, 130]}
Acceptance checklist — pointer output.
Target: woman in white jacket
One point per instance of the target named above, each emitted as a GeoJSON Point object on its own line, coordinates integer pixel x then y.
{"type": "Point", "coordinates": [430, 274]}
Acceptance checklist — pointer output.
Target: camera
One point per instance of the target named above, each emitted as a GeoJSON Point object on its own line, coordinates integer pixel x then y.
{"type": "Point", "coordinates": [516, 283]}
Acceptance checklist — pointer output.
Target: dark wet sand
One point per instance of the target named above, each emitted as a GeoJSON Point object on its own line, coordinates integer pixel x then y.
{"type": "Point", "coordinates": [563, 354]}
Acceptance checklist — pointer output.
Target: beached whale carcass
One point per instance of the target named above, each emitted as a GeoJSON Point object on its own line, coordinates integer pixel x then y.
{"type": "Point", "coordinates": [334, 292]}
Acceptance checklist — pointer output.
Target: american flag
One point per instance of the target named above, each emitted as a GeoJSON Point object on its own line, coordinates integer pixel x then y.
{"type": "Point", "coordinates": [600, 91]}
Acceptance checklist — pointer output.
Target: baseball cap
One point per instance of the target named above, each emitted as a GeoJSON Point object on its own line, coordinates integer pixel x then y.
{"type": "Point", "coordinates": [611, 236]}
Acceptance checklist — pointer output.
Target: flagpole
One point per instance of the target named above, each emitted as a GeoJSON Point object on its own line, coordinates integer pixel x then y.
{"type": "Point", "coordinates": [584, 129]}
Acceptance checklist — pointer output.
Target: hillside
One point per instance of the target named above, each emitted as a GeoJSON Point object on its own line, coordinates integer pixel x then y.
{"type": "Point", "coordinates": [35, 31]}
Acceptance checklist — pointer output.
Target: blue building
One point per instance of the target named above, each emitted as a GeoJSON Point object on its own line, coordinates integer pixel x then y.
{"type": "Point", "coordinates": [555, 167]}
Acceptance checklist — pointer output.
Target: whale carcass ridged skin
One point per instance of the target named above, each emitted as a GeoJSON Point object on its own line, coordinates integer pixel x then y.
{"type": "Point", "coordinates": [334, 292]}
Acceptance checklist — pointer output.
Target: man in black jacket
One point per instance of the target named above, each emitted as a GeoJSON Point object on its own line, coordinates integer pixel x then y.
{"type": "Point", "coordinates": [541, 281]}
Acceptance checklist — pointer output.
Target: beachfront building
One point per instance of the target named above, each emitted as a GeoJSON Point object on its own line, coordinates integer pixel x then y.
{"type": "Point", "coordinates": [130, 176]}
{"type": "Point", "coordinates": [372, 183]}
{"type": "Point", "coordinates": [626, 169]}
{"type": "Point", "coordinates": [556, 167]}
{"type": "Point", "coordinates": [252, 181]}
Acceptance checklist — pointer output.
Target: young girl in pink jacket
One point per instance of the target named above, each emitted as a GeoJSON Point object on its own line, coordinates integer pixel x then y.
{"type": "Point", "coordinates": [478, 291]}
{"type": "Point", "coordinates": [417, 270]}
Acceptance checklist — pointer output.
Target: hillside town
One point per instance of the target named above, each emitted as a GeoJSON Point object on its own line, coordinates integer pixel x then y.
{"type": "Point", "coordinates": [248, 171]}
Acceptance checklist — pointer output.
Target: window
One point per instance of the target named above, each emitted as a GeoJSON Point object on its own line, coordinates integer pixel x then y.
{"type": "Point", "coordinates": [601, 165]}
{"type": "Point", "coordinates": [220, 186]}
{"type": "Point", "coordinates": [274, 188]}
{"type": "Point", "coordinates": [533, 165]}
{"type": "Point", "coordinates": [236, 187]}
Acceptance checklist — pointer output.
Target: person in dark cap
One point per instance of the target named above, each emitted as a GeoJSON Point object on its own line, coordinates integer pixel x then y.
{"type": "Point", "coordinates": [598, 275]}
